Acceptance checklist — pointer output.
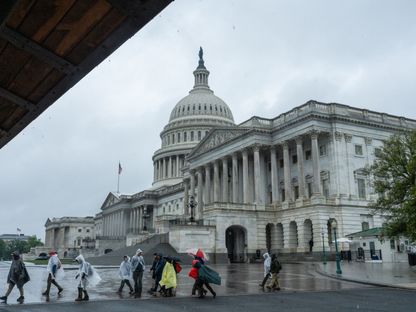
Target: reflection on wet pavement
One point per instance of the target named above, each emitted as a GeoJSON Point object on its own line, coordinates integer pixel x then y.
{"type": "Point", "coordinates": [237, 279]}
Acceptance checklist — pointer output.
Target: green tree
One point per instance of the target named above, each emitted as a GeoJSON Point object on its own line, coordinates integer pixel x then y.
{"type": "Point", "coordinates": [393, 176]}
{"type": "Point", "coordinates": [2, 249]}
{"type": "Point", "coordinates": [33, 241]}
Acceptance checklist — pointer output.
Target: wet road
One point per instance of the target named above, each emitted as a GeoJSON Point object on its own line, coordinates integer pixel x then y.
{"type": "Point", "coordinates": [237, 279]}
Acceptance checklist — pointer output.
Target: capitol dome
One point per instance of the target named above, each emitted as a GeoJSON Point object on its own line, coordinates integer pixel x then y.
{"type": "Point", "coordinates": [190, 121]}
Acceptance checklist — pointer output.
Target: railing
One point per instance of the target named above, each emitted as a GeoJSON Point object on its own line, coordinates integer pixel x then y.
{"type": "Point", "coordinates": [361, 255]}
{"type": "Point", "coordinates": [187, 222]}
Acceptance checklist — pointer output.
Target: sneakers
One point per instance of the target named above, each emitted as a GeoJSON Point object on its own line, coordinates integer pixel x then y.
{"type": "Point", "coordinates": [4, 298]}
{"type": "Point", "coordinates": [20, 299]}
{"type": "Point", "coordinates": [60, 291]}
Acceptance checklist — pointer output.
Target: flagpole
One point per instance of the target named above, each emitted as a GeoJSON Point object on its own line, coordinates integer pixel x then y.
{"type": "Point", "coordinates": [118, 179]}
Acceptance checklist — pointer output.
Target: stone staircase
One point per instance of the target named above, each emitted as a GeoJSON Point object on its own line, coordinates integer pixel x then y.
{"type": "Point", "coordinates": [157, 243]}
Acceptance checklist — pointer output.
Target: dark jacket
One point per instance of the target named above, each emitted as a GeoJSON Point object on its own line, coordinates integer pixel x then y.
{"type": "Point", "coordinates": [159, 268]}
{"type": "Point", "coordinates": [275, 267]}
{"type": "Point", "coordinates": [18, 274]}
{"type": "Point", "coordinates": [207, 275]}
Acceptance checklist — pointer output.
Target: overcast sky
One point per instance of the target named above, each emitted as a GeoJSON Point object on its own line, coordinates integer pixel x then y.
{"type": "Point", "coordinates": [265, 57]}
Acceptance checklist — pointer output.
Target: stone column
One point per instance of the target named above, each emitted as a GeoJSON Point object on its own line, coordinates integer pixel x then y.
{"type": "Point", "coordinates": [154, 171]}
{"type": "Point", "coordinates": [301, 173]}
{"type": "Point", "coordinates": [192, 186]}
{"type": "Point", "coordinates": [246, 191]}
{"type": "Point", "coordinates": [130, 220]}
{"type": "Point", "coordinates": [177, 166]}
{"type": "Point", "coordinates": [169, 175]}
{"type": "Point", "coordinates": [225, 179]}
{"type": "Point", "coordinates": [163, 168]}
{"type": "Point", "coordinates": [257, 181]}
{"type": "Point", "coordinates": [315, 164]}
{"type": "Point", "coordinates": [198, 213]}
{"type": "Point", "coordinates": [207, 184]}
{"type": "Point", "coordinates": [286, 165]}
{"type": "Point", "coordinates": [186, 198]}
{"type": "Point", "coordinates": [274, 177]}
{"type": "Point", "coordinates": [235, 178]}
{"type": "Point", "coordinates": [216, 182]}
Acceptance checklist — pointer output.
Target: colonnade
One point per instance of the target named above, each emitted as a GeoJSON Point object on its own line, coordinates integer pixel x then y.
{"type": "Point", "coordinates": [114, 224]}
{"type": "Point", "coordinates": [243, 177]}
{"type": "Point", "coordinates": [168, 167]}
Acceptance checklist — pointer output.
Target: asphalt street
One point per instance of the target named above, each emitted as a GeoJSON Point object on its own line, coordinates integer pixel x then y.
{"type": "Point", "coordinates": [357, 299]}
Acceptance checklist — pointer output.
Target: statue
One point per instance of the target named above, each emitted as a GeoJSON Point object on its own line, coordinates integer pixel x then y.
{"type": "Point", "coordinates": [201, 54]}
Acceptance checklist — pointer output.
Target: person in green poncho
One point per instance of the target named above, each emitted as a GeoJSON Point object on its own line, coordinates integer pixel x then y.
{"type": "Point", "coordinates": [206, 276]}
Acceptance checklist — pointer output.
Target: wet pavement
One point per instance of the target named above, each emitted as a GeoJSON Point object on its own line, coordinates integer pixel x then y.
{"type": "Point", "coordinates": [399, 275]}
{"type": "Point", "coordinates": [237, 279]}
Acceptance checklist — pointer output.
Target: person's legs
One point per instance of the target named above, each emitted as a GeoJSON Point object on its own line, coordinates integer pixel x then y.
{"type": "Point", "coordinates": [9, 290]}
{"type": "Point", "coordinates": [57, 286]}
{"type": "Point", "coordinates": [84, 289]}
{"type": "Point", "coordinates": [139, 283]}
{"type": "Point", "coordinates": [22, 295]}
{"type": "Point", "coordinates": [120, 289]}
{"type": "Point", "coordinates": [214, 294]}
{"type": "Point", "coordinates": [48, 285]}
{"type": "Point", "coordinates": [265, 280]}
{"type": "Point", "coordinates": [194, 288]}
{"type": "Point", "coordinates": [79, 298]}
{"type": "Point", "coordinates": [129, 285]}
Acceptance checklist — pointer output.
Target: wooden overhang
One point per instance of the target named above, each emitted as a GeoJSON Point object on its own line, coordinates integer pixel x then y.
{"type": "Point", "coordinates": [47, 46]}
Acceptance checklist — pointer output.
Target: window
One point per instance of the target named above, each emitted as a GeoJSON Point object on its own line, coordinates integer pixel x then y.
{"type": "Point", "coordinates": [308, 154]}
{"type": "Point", "coordinates": [281, 163]}
{"type": "Point", "coordinates": [168, 139]}
{"type": "Point", "coordinates": [325, 187]}
{"type": "Point", "coordinates": [199, 135]}
{"type": "Point", "coordinates": [294, 159]}
{"type": "Point", "coordinates": [185, 137]}
{"type": "Point", "coordinates": [361, 188]}
{"type": "Point", "coordinates": [192, 135]}
{"type": "Point", "coordinates": [309, 189]}
{"type": "Point", "coordinates": [296, 191]}
{"type": "Point", "coordinates": [79, 230]}
{"type": "Point", "coordinates": [88, 230]}
{"type": "Point", "coordinates": [359, 150]}
{"type": "Point", "coordinates": [365, 226]}
{"type": "Point", "coordinates": [179, 137]}
{"type": "Point", "coordinates": [322, 150]}
{"type": "Point", "coordinates": [377, 152]}
{"type": "Point", "coordinates": [283, 195]}
{"type": "Point", "coordinates": [173, 138]}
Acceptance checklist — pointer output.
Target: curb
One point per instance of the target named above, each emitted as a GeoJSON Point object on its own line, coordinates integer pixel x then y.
{"type": "Point", "coordinates": [321, 272]}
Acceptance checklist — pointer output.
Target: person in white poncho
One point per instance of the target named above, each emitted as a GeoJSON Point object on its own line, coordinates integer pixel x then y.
{"type": "Point", "coordinates": [267, 263]}
{"type": "Point", "coordinates": [125, 274]}
{"type": "Point", "coordinates": [54, 269]}
{"type": "Point", "coordinates": [88, 277]}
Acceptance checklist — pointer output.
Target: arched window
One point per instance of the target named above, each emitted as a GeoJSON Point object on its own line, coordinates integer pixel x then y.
{"type": "Point", "coordinates": [185, 139]}
{"type": "Point", "coordinates": [192, 136]}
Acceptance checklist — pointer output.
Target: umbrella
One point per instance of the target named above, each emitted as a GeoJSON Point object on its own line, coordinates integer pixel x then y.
{"type": "Point", "coordinates": [197, 252]}
{"type": "Point", "coordinates": [343, 240]}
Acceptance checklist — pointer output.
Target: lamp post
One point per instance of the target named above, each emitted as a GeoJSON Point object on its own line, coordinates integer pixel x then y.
{"type": "Point", "coordinates": [337, 258]}
{"type": "Point", "coordinates": [192, 204]}
{"type": "Point", "coordinates": [323, 246]}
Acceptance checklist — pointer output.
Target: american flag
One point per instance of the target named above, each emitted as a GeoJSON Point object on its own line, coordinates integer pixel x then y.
{"type": "Point", "coordinates": [119, 168]}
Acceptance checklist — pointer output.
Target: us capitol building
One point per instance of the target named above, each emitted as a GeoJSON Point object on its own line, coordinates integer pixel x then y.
{"type": "Point", "coordinates": [232, 189]}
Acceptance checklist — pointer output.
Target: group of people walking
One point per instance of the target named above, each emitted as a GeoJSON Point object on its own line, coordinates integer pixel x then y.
{"type": "Point", "coordinates": [164, 271]}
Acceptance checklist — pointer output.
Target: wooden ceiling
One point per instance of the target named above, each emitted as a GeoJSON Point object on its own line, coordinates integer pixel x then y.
{"type": "Point", "coordinates": [47, 46]}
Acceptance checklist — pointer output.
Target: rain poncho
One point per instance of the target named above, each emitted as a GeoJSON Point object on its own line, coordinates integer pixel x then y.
{"type": "Point", "coordinates": [168, 276]}
{"type": "Point", "coordinates": [55, 268]}
{"type": "Point", "coordinates": [91, 276]}
{"type": "Point", "coordinates": [267, 263]}
{"type": "Point", "coordinates": [18, 274]}
{"type": "Point", "coordinates": [125, 269]}
{"type": "Point", "coordinates": [207, 275]}
{"type": "Point", "coordinates": [193, 272]}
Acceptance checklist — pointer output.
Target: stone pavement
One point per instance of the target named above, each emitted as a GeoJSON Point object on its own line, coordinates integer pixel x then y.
{"type": "Point", "coordinates": [237, 279]}
{"type": "Point", "coordinates": [399, 275]}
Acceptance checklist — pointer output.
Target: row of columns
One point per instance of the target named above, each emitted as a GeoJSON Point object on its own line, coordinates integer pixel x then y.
{"type": "Point", "coordinates": [168, 167]}
{"type": "Point", "coordinates": [203, 186]}
{"type": "Point", "coordinates": [113, 224]}
{"type": "Point", "coordinates": [136, 220]}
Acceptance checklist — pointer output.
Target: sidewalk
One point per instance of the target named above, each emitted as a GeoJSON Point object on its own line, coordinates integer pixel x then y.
{"type": "Point", "coordinates": [399, 275]}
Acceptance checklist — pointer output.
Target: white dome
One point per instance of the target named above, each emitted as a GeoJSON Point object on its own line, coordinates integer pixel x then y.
{"type": "Point", "coordinates": [201, 103]}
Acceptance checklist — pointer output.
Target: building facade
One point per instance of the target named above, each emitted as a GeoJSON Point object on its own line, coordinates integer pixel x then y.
{"type": "Point", "coordinates": [69, 235]}
{"type": "Point", "coordinates": [279, 184]}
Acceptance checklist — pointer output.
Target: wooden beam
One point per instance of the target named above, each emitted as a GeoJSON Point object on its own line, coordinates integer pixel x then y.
{"type": "Point", "coordinates": [26, 44]}
{"type": "Point", "coordinates": [17, 99]}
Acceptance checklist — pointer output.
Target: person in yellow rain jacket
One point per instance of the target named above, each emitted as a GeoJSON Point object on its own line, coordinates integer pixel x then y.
{"type": "Point", "coordinates": [168, 281]}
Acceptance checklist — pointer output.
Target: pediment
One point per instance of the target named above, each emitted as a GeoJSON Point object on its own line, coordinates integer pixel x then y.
{"type": "Point", "coordinates": [216, 138]}
{"type": "Point", "coordinates": [110, 200]}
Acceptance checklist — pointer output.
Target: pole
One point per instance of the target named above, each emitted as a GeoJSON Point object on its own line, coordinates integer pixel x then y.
{"type": "Point", "coordinates": [337, 258]}
{"type": "Point", "coordinates": [323, 247]}
{"type": "Point", "coordinates": [118, 184]}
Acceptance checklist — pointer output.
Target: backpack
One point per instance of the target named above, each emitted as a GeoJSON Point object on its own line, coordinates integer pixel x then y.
{"type": "Point", "coordinates": [177, 267]}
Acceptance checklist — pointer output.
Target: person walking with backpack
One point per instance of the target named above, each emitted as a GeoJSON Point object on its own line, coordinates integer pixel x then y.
{"type": "Point", "coordinates": [88, 277]}
{"type": "Point", "coordinates": [125, 274]}
{"type": "Point", "coordinates": [137, 267]}
{"type": "Point", "coordinates": [54, 265]}
{"type": "Point", "coordinates": [18, 276]}
{"type": "Point", "coordinates": [275, 268]}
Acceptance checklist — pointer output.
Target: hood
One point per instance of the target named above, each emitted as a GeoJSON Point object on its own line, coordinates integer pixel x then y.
{"type": "Point", "coordinates": [80, 259]}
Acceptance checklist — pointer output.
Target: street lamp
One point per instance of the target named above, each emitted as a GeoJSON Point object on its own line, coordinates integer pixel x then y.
{"type": "Point", "coordinates": [323, 246]}
{"type": "Point", "coordinates": [192, 204]}
{"type": "Point", "coordinates": [337, 258]}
